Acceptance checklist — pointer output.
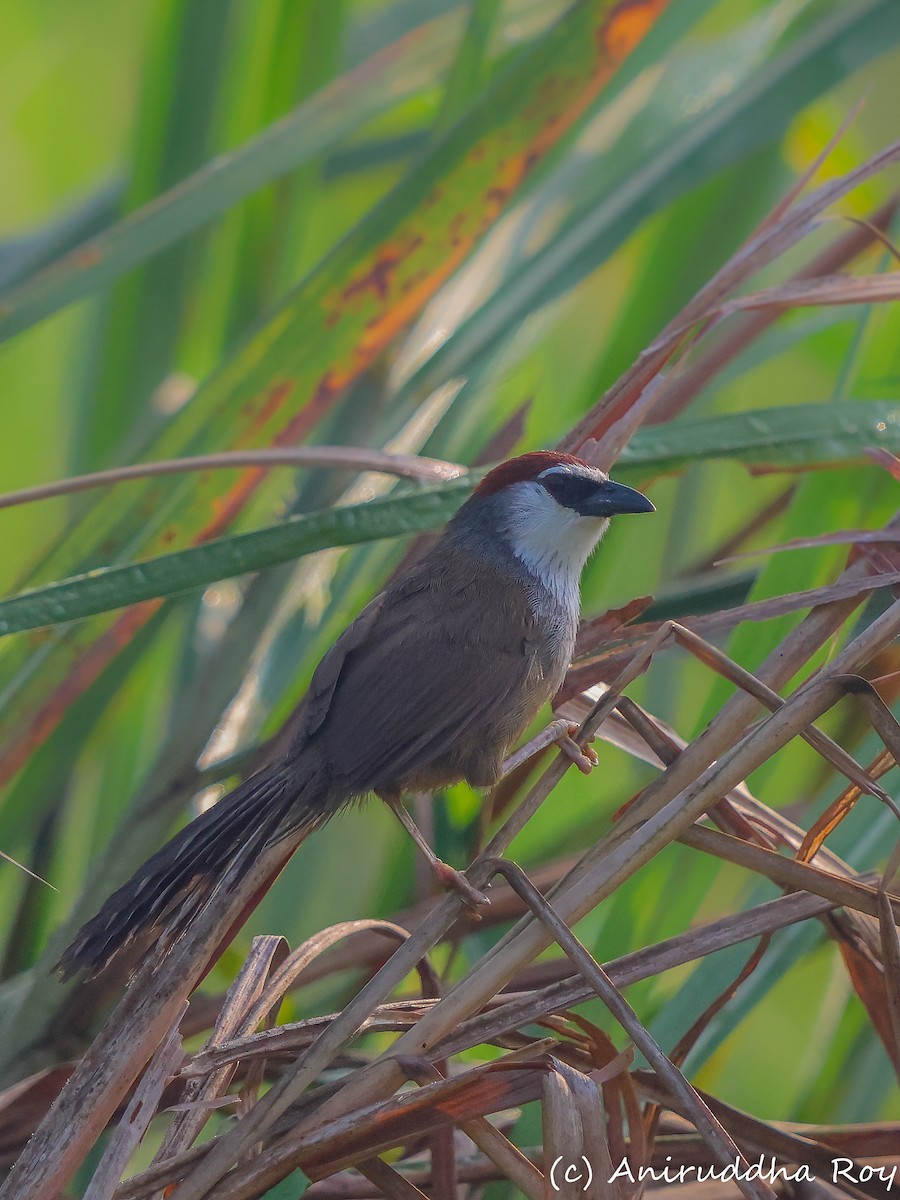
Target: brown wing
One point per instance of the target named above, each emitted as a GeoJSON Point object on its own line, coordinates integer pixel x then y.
{"type": "Point", "coordinates": [422, 669]}
{"type": "Point", "coordinates": [328, 672]}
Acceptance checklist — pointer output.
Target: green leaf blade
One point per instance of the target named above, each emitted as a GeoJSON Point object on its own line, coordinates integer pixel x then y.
{"type": "Point", "coordinates": [111, 588]}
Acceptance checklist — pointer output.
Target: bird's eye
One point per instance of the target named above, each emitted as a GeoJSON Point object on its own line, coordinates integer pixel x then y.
{"type": "Point", "coordinates": [569, 490]}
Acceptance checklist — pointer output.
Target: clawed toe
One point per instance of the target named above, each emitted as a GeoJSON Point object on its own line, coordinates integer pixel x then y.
{"type": "Point", "coordinates": [455, 880]}
{"type": "Point", "coordinates": [585, 758]}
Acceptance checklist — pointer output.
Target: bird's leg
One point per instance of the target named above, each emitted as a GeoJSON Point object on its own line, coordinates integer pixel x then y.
{"type": "Point", "coordinates": [585, 758]}
{"type": "Point", "coordinates": [448, 876]}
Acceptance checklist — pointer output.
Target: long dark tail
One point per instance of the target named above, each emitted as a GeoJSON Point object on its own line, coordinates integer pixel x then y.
{"type": "Point", "coordinates": [172, 887]}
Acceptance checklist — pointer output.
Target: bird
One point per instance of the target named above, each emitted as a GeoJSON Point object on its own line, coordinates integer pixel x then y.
{"type": "Point", "coordinates": [431, 684]}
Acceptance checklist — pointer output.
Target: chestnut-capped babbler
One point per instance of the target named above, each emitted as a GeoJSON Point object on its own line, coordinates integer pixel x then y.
{"type": "Point", "coordinates": [431, 684]}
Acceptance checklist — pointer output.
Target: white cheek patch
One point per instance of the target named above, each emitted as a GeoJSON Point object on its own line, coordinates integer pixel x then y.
{"type": "Point", "coordinates": [553, 542]}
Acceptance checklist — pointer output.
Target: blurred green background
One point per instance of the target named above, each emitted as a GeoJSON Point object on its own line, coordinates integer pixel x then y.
{"type": "Point", "coordinates": [105, 106]}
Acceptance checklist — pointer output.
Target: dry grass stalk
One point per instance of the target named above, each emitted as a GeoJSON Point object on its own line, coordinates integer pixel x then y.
{"type": "Point", "coordinates": [137, 1026]}
{"type": "Point", "coordinates": [770, 242]}
{"type": "Point", "coordinates": [232, 1021]}
{"type": "Point", "coordinates": [510, 1011]}
{"type": "Point", "coordinates": [404, 466]}
{"type": "Point", "coordinates": [890, 957]}
{"type": "Point", "coordinates": [722, 1147]}
{"type": "Point", "coordinates": [761, 1137]}
{"type": "Point", "coordinates": [138, 1114]}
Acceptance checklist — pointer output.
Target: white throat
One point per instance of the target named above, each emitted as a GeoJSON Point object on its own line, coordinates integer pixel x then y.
{"type": "Point", "coordinates": [552, 541]}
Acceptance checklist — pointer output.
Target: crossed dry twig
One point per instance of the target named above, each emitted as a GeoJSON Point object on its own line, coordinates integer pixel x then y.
{"type": "Point", "coordinates": [615, 857]}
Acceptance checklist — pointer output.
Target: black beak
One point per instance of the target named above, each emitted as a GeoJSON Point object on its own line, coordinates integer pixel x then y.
{"type": "Point", "coordinates": [611, 499]}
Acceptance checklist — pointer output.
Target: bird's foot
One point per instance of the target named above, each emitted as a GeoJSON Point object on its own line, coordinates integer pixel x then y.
{"type": "Point", "coordinates": [585, 758]}
{"type": "Point", "coordinates": [454, 880]}
{"type": "Point", "coordinates": [448, 876]}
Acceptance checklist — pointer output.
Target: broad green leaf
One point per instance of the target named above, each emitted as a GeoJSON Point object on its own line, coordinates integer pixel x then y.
{"type": "Point", "coordinates": [291, 373]}
{"type": "Point", "coordinates": [139, 323]}
{"type": "Point", "coordinates": [315, 126]}
{"type": "Point", "coordinates": [298, 56]}
{"type": "Point", "coordinates": [172, 574]}
{"type": "Point", "coordinates": [781, 438]}
{"type": "Point", "coordinates": [292, 1187]}
{"type": "Point", "coordinates": [682, 135]}
{"type": "Point", "coordinates": [802, 435]}
{"type": "Point", "coordinates": [471, 65]}
{"type": "Point", "coordinates": [312, 128]}
{"type": "Point", "coordinates": [34, 250]}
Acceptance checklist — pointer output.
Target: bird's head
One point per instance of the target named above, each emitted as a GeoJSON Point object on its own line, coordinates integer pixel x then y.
{"type": "Point", "coordinates": [549, 510]}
